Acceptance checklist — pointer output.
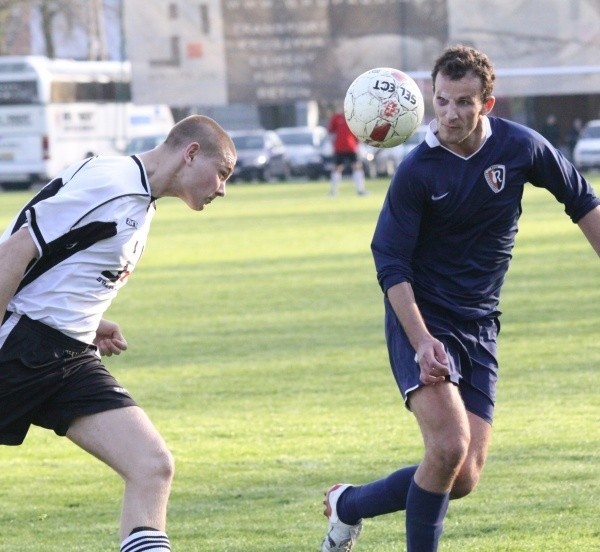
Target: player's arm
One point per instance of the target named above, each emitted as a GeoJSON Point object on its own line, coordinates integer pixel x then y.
{"type": "Point", "coordinates": [15, 254]}
{"type": "Point", "coordinates": [431, 355]}
{"type": "Point", "coordinates": [393, 245]}
{"type": "Point", "coordinates": [590, 226]}
{"type": "Point", "coordinates": [109, 339]}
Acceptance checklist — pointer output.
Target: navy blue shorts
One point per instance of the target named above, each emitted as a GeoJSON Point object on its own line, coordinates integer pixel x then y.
{"type": "Point", "coordinates": [48, 379]}
{"type": "Point", "coordinates": [471, 349]}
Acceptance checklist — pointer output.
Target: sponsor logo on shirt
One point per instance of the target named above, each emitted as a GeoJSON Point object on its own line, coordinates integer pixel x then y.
{"type": "Point", "coordinates": [495, 176]}
{"type": "Point", "coordinates": [109, 279]}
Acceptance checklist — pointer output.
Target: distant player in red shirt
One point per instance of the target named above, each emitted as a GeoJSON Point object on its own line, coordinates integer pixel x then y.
{"type": "Point", "coordinates": [345, 149]}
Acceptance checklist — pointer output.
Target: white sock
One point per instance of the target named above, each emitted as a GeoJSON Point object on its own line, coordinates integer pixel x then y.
{"type": "Point", "coordinates": [359, 181]}
{"type": "Point", "coordinates": [146, 541]}
{"type": "Point", "coordinates": [336, 177]}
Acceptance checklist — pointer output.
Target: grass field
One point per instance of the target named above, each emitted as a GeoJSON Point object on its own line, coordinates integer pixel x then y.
{"type": "Point", "coordinates": [256, 346]}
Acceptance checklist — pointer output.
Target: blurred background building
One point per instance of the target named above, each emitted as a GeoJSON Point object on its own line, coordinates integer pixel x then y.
{"type": "Point", "coordinates": [274, 63]}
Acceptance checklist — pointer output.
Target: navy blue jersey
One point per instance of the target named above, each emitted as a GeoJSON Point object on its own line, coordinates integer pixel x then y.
{"type": "Point", "coordinates": [448, 223]}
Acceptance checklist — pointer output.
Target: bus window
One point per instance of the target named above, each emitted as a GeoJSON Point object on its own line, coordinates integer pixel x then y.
{"type": "Point", "coordinates": [62, 92]}
{"type": "Point", "coordinates": [18, 92]}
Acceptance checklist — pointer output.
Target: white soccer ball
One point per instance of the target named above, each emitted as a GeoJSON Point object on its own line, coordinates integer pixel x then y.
{"type": "Point", "coordinates": [383, 107]}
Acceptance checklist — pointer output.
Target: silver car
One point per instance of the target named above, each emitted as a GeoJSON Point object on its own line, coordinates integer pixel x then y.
{"type": "Point", "coordinates": [261, 156]}
{"type": "Point", "coordinates": [385, 160]}
{"type": "Point", "coordinates": [586, 154]}
{"type": "Point", "coordinates": [304, 146]}
{"type": "Point", "coordinates": [140, 144]}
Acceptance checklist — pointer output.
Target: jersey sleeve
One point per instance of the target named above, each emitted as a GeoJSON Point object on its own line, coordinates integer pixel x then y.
{"type": "Point", "coordinates": [397, 229]}
{"type": "Point", "coordinates": [551, 170]}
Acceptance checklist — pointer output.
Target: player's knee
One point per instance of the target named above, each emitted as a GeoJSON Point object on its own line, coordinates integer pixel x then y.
{"type": "Point", "coordinates": [155, 468]}
{"type": "Point", "coordinates": [456, 452]}
{"type": "Point", "coordinates": [165, 465]}
{"type": "Point", "coordinates": [467, 478]}
{"type": "Point", "coordinates": [464, 484]}
{"type": "Point", "coordinates": [450, 453]}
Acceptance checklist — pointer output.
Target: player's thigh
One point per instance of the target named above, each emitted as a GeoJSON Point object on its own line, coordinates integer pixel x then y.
{"type": "Point", "coordinates": [123, 438]}
{"type": "Point", "coordinates": [441, 415]}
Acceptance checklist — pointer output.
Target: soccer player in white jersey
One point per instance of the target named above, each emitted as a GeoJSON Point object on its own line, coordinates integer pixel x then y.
{"type": "Point", "coordinates": [442, 247]}
{"type": "Point", "coordinates": [62, 261]}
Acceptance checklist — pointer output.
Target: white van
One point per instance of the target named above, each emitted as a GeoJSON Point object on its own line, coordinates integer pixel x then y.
{"type": "Point", "coordinates": [54, 112]}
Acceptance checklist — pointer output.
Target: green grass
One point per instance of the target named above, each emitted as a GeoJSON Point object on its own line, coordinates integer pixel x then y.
{"type": "Point", "coordinates": [256, 346]}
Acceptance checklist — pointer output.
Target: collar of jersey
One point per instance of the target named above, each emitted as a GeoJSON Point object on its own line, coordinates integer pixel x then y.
{"type": "Point", "coordinates": [432, 139]}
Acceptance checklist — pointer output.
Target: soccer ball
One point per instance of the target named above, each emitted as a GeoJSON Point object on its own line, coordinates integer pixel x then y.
{"type": "Point", "coordinates": [383, 107]}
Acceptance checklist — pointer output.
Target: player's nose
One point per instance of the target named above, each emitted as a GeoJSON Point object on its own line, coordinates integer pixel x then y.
{"type": "Point", "coordinates": [451, 111]}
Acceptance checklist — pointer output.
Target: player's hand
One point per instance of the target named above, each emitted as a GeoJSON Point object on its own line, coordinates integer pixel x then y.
{"type": "Point", "coordinates": [433, 361]}
{"type": "Point", "coordinates": [109, 339]}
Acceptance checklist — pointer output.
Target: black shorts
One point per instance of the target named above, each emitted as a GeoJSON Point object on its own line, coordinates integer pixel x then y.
{"type": "Point", "coordinates": [48, 379]}
{"type": "Point", "coordinates": [346, 158]}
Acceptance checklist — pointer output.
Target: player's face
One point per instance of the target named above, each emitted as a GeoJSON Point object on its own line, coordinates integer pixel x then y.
{"type": "Point", "coordinates": [206, 179]}
{"type": "Point", "coordinates": [459, 110]}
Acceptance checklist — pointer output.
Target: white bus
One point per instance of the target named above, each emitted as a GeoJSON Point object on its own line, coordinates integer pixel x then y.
{"type": "Point", "coordinates": [55, 111]}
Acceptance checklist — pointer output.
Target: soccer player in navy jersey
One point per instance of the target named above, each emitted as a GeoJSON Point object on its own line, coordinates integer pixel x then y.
{"type": "Point", "coordinates": [62, 261]}
{"type": "Point", "coordinates": [442, 246]}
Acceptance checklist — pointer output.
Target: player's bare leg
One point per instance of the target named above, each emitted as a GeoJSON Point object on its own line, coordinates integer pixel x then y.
{"type": "Point", "coordinates": [444, 426]}
{"type": "Point", "coordinates": [471, 468]}
{"type": "Point", "coordinates": [454, 456]}
{"type": "Point", "coordinates": [126, 440]}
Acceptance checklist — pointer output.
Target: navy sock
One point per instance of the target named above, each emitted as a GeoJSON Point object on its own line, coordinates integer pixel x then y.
{"type": "Point", "coordinates": [425, 514]}
{"type": "Point", "coordinates": [380, 497]}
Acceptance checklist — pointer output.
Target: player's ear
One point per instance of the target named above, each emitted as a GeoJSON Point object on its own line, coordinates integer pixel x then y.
{"type": "Point", "coordinates": [191, 151]}
{"type": "Point", "coordinates": [488, 105]}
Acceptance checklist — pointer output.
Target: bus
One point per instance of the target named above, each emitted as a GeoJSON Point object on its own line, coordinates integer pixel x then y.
{"type": "Point", "coordinates": [54, 112]}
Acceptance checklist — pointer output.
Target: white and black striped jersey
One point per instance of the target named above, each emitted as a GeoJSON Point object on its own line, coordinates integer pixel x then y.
{"type": "Point", "coordinates": [90, 225]}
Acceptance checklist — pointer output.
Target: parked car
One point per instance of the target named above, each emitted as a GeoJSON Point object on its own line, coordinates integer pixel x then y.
{"type": "Point", "coordinates": [261, 156]}
{"type": "Point", "coordinates": [586, 154]}
{"type": "Point", "coordinates": [304, 150]}
{"type": "Point", "coordinates": [144, 143]}
{"type": "Point", "coordinates": [386, 160]}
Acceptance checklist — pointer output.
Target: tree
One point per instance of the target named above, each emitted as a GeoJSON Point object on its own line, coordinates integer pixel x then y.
{"type": "Point", "coordinates": [70, 15]}
{"type": "Point", "coordinates": [6, 12]}
{"type": "Point", "coordinates": [73, 12]}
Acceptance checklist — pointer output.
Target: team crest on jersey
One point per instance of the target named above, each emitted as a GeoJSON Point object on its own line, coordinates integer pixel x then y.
{"type": "Point", "coordinates": [495, 176]}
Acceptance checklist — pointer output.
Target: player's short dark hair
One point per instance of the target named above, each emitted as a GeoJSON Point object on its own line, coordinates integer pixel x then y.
{"type": "Point", "coordinates": [211, 137]}
{"type": "Point", "coordinates": [456, 61]}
